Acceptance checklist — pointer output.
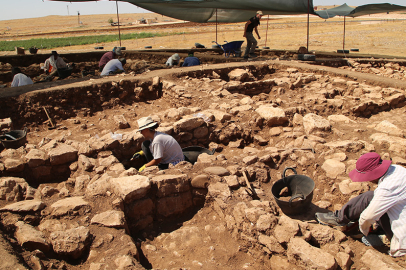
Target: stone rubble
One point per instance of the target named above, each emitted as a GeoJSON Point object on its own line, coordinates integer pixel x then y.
{"type": "Point", "coordinates": [88, 206]}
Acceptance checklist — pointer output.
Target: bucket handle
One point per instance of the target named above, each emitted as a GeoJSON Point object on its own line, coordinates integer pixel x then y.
{"type": "Point", "coordinates": [288, 168]}
{"type": "Point", "coordinates": [295, 197]}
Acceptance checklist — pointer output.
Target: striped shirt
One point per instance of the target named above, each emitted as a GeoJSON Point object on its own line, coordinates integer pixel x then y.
{"type": "Point", "coordinates": [390, 197]}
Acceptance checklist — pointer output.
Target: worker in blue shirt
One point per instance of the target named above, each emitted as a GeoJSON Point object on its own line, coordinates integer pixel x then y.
{"type": "Point", "coordinates": [191, 60]}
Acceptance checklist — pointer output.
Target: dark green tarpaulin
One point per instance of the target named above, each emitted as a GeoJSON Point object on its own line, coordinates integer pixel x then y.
{"type": "Point", "coordinates": [242, 10]}
{"type": "Point", "coordinates": [227, 10]}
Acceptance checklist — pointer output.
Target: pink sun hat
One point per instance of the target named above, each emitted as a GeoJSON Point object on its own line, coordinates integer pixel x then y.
{"type": "Point", "coordinates": [369, 167]}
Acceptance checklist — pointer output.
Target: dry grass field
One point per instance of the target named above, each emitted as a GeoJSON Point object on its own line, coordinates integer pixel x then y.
{"type": "Point", "coordinates": [376, 34]}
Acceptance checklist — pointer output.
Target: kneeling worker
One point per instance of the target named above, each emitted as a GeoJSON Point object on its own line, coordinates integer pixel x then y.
{"type": "Point", "coordinates": [109, 56]}
{"type": "Point", "coordinates": [159, 148]}
{"type": "Point", "coordinates": [114, 66]}
{"type": "Point", "coordinates": [173, 60]}
{"type": "Point", "coordinates": [191, 60]}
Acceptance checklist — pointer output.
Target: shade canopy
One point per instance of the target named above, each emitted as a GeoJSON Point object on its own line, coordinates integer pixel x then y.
{"type": "Point", "coordinates": [227, 10]}
{"type": "Point", "coordinates": [345, 10]}
{"type": "Point", "coordinates": [241, 10]}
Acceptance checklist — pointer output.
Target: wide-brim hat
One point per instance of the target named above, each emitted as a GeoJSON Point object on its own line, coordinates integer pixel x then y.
{"type": "Point", "coordinates": [176, 57]}
{"type": "Point", "coordinates": [369, 167]}
{"type": "Point", "coordinates": [146, 122]}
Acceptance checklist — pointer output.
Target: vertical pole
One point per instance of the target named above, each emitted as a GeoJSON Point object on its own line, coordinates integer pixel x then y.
{"type": "Point", "coordinates": [267, 25]}
{"type": "Point", "coordinates": [216, 24]}
{"type": "Point", "coordinates": [118, 20]}
{"type": "Point", "coordinates": [308, 22]}
{"type": "Point", "coordinates": [344, 35]}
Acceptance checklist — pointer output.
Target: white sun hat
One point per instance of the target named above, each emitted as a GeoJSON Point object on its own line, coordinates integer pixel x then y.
{"type": "Point", "coordinates": [145, 122]}
{"type": "Point", "coordinates": [176, 57]}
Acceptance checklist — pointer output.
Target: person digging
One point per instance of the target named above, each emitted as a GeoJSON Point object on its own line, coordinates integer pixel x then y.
{"type": "Point", "coordinates": [159, 149]}
{"type": "Point", "coordinates": [386, 205]}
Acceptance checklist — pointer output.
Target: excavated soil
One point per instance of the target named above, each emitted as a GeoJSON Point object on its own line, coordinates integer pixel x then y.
{"type": "Point", "coordinates": [209, 235]}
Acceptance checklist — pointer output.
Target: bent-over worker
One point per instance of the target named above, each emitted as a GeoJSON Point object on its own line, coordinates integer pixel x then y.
{"type": "Point", "coordinates": [386, 205]}
{"type": "Point", "coordinates": [250, 26]}
{"type": "Point", "coordinates": [160, 149]}
{"type": "Point", "coordinates": [173, 60]}
{"type": "Point", "coordinates": [114, 66]}
{"type": "Point", "coordinates": [20, 78]}
{"type": "Point", "coordinates": [191, 60]}
{"type": "Point", "coordinates": [109, 56]}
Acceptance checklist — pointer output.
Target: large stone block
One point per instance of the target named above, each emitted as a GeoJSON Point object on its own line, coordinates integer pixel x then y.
{"type": "Point", "coordinates": [175, 205]}
{"type": "Point", "coordinates": [188, 124]}
{"type": "Point", "coordinates": [71, 243]}
{"type": "Point", "coordinates": [273, 116]}
{"type": "Point", "coordinates": [36, 158]}
{"type": "Point", "coordinates": [131, 188]}
{"type": "Point", "coordinates": [112, 218]}
{"type": "Point", "coordinates": [375, 260]}
{"type": "Point", "coordinates": [62, 154]}
{"type": "Point", "coordinates": [30, 238]}
{"type": "Point", "coordinates": [309, 257]}
{"type": "Point", "coordinates": [315, 123]}
{"type": "Point", "coordinates": [170, 184]}
{"type": "Point", "coordinates": [65, 206]}
{"type": "Point", "coordinates": [333, 168]}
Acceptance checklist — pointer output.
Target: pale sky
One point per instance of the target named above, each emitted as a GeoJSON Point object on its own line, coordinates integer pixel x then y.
{"type": "Point", "coordinates": [19, 9]}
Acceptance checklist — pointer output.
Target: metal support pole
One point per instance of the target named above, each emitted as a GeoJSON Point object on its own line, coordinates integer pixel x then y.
{"type": "Point", "coordinates": [344, 36]}
{"type": "Point", "coordinates": [216, 24]}
{"type": "Point", "coordinates": [118, 20]}
{"type": "Point", "coordinates": [308, 22]}
{"type": "Point", "coordinates": [267, 26]}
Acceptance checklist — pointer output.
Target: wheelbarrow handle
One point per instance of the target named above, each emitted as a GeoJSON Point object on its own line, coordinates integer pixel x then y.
{"type": "Point", "coordinates": [295, 197]}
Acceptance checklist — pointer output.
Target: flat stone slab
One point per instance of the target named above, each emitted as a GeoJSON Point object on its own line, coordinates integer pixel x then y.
{"type": "Point", "coordinates": [220, 171]}
{"type": "Point", "coordinates": [308, 256]}
{"type": "Point", "coordinates": [24, 206]}
{"type": "Point", "coordinates": [112, 218]}
{"type": "Point", "coordinates": [64, 206]}
{"type": "Point", "coordinates": [30, 238]}
{"type": "Point", "coordinates": [131, 188]}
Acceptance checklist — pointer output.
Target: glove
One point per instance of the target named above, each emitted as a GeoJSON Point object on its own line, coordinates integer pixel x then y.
{"type": "Point", "coordinates": [137, 155]}
{"type": "Point", "coordinates": [142, 168]}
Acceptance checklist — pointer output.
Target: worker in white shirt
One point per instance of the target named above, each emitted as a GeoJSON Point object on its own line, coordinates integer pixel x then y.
{"type": "Point", "coordinates": [20, 78]}
{"type": "Point", "coordinates": [53, 63]}
{"type": "Point", "coordinates": [385, 206]}
{"type": "Point", "coordinates": [114, 66]}
{"type": "Point", "coordinates": [173, 60]}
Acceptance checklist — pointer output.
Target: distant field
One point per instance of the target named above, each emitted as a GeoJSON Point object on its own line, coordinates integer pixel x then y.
{"type": "Point", "coordinates": [49, 43]}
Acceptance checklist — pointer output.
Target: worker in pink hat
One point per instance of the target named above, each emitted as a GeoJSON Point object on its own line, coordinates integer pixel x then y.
{"type": "Point", "coordinates": [385, 206]}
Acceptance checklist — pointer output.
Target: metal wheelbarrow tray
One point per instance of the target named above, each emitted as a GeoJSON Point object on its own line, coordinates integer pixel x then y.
{"type": "Point", "coordinates": [233, 47]}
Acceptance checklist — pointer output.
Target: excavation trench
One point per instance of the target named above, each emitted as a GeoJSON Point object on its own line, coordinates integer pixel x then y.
{"type": "Point", "coordinates": [167, 207]}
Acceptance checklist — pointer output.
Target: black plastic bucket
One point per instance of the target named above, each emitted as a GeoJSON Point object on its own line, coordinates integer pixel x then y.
{"type": "Point", "coordinates": [299, 187]}
{"type": "Point", "coordinates": [14, 138]}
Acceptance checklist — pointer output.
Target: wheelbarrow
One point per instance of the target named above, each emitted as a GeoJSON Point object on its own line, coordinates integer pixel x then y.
{"type": "Point", "coordinates": [300, 188]}
{"type": "Point", "coordinates": [233, 47]}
